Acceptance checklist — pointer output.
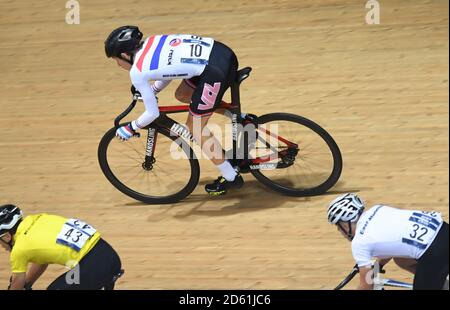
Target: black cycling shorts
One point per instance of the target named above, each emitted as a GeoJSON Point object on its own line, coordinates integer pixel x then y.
{"type": "Point", "coordinates": [98, 270]}
{"type": "Point", "coordinates": [432, 266]}
{"type": "Point", "coordinates": [217, 77]}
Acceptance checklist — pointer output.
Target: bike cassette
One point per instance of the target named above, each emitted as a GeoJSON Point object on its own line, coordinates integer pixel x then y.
{"type": "Point", "coordinates": [289, 157]}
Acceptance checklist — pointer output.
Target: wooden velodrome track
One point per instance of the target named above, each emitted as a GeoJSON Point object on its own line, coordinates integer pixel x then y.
{"type": "Point", "coordinates": [380, 90]}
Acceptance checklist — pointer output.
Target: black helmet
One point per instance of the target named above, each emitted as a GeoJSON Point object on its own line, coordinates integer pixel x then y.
{"type": "Point", "coordinates": [9, 216]}
{"type": "Point", "coordinates": [124, 39]}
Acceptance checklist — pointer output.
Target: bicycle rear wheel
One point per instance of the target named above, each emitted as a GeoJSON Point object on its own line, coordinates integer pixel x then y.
{"type": "Point", "coordinates": [306, 160]}
{"type": "Point", "coordinates": [172, 177]}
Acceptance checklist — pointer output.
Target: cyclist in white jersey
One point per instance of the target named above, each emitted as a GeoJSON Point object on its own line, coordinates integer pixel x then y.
{"type": "Point", "coordinates": [416, 240]}
{"type": "Point", "coordinates": [206, 69]}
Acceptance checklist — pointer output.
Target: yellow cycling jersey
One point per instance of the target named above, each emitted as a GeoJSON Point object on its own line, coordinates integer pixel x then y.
{"type": "Point", "coordinates": [51, 239]}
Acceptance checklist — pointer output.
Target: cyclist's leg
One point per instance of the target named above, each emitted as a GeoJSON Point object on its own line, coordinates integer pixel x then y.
{"type": "Point", "coordinates": [59, 284]}
{"type": "Point", "coordinates": [212, 84]}
{"type": "Point", "coordinates": [186, 89]}
{"type": "Point", "coordinates": [95, 271]}
{"type": "Point", "coordinates": [432, 268]}
{"type": "Point", "coordinates": [210, 146]}
{"type": "Point", "coordinates": [216, 78]}
{"type": "Point", "coordinates": [408, 264]}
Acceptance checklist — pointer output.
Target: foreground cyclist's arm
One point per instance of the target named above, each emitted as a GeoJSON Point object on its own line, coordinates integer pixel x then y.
{"type": "Point", "coordinates": [19, 265]}
{"type": "Point", "coordinates": [150, 114]}
{"type": "Point", "coordinates": [363, 256]}
{"type": "Point", "coordinates": [17, 281]}
{"type": "Point", "coordinates": [148, 93]}
{"type": "Point", "coordinates": [365, 278]}
{"type": "Point", "coordinates": [35, 271]}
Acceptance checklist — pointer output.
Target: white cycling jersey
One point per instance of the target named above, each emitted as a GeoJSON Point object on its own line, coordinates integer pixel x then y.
{"type": "Point", "coordinates": [384, 232]}
{"type": "Point", "coordinates": [163, 58]}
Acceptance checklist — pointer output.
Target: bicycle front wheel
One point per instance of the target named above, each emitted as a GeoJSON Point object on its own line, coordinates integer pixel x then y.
{"type": "Point", "coordinates": [305, 160]}
{"type": "Point", "coordinates": [172, 176]}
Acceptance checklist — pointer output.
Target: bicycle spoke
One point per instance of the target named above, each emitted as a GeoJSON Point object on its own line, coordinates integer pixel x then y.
{"type": "Point", "coordinates": [135, 149]}
{"type": "Point", "coordinates": [134, 159]}
{"type": "Point", "coordinates": [167, 180]}
{"type": "Point", "coordinates": [162, 170]}
{"type": "Point", "coordinates": [309, 167]}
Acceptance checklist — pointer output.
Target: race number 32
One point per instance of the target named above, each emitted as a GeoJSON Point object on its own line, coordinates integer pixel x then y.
{"type": "Point", "coordinates": [424, 226]}
{"type": "Point", "coordinates": [418, 232]}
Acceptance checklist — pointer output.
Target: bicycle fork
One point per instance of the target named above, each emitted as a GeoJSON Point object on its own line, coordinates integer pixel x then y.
{"type": "Point", "coordinates": [152, 135]}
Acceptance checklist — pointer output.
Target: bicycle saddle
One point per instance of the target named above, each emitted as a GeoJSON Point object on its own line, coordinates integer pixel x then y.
{"type": "Point", "coordinates": [243, 74]}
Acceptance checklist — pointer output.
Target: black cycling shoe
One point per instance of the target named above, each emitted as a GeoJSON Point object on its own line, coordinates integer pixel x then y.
{"type": "Point", "coordinates": [221, 185]}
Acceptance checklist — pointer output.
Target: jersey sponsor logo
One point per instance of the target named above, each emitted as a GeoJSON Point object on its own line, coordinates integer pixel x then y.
{"type": "Point", "coordinates": [175, 42]}
{"type": "Point", "coordinates": [175, 75]}
{"type": "Point", "coordinates": [170, 57]}
{"type": "Point", "coordinates": [363, 229]}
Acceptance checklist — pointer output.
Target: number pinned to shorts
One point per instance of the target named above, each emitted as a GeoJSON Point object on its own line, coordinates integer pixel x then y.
{"type": "Point", "coordinates": [74, 234]}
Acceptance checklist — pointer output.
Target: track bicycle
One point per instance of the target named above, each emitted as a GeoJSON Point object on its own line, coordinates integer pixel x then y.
{"type": "Point", "coordinates": [286, 152]}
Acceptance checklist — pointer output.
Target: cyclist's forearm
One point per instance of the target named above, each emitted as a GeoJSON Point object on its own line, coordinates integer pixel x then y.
{"type": "Point", "coordinates": [365, 279]}
{"type": "Point", "coordinates": [150, 102]}
{"type": "Point", "coordinates": [151, 108]}
{"type": "Point", "coordinates": [17, 281]}
{"type": "Point", "coordinates": [34, 273]}
{"type": "Point", "coordinates": [365, 287]}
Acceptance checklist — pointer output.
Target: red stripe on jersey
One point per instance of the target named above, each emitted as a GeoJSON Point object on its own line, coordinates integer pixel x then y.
{"type": "Point", "coordinates": [144, 53]}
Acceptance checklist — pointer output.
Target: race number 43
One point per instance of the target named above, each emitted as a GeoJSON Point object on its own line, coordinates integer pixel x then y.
{"type": "Point", "coordinates": [75, 234]}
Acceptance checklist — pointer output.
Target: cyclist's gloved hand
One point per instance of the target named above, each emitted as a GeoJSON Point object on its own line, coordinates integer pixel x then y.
{"type": "Point", "coordinates": [125, 132]}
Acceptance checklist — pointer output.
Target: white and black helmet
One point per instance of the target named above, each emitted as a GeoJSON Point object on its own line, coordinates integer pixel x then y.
{"type": "Point", "coordinates": [9, 216]}
{"type": "Point", "coordinates": [346, 208]}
